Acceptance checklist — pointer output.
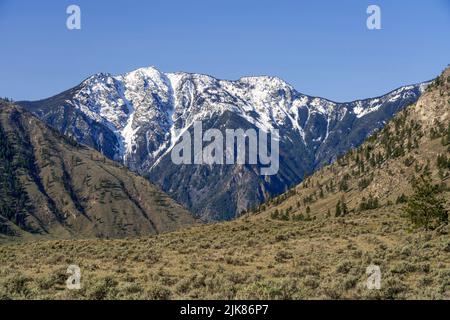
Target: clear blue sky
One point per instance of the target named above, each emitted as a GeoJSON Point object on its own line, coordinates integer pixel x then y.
{"type": "Point", "coordinates": [321, 47]}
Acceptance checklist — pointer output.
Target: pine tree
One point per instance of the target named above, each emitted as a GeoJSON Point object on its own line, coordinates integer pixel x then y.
{"type": "Point", "coordinates": [338, 212]}
{"type": "Point", "coordinates": [448, 133]}
{"type": "Point", "coordinates": [402, 199]}
{"type": "Point", "coordinates": [275, 215]}
{"type": "Point", "coordinates": [446, 140]}
{"type": "Point", "coordinates": [344, 207]}
{"type": "Point", "coordinates": [343, 185]}
{"type": "Point", "coordinates": [426, 206]}
{"type": "Point", "coordinates": [443, 162]}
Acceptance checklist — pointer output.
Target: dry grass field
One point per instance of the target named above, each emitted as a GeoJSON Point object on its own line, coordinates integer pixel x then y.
{"type": "Point", "coordinates": [253, 258]}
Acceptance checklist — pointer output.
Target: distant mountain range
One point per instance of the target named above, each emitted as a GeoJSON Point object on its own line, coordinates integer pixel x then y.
{"type": "Point", "coordinates": [134, 118]}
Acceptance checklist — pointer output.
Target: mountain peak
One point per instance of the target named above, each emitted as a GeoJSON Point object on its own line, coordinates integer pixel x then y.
{"type": "Point", "coordinates": [266, 80]}
{"type": "Point", "coordinates": [135, 117]}
{"type": "Point", "coordinates": [150, 72]}
{"type": "Point", "coordinates": [102, 76]}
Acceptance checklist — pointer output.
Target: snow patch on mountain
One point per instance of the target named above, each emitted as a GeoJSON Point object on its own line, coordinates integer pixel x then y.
{"type": "Point", "coordinates": [161, 106]}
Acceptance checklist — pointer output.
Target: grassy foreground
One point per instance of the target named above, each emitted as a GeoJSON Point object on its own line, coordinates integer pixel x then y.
{"type": "Point", "coordinates": [251, 258]}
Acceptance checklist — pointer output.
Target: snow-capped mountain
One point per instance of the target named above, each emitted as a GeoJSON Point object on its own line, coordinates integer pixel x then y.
{"type": "Point", "coordinates": [137, 118]}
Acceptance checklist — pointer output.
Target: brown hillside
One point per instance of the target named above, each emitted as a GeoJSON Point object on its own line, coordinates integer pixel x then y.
{"type": "Point", "coordinates": [379, 173]}
{"type": "Point", "coordinates": [54, 187]}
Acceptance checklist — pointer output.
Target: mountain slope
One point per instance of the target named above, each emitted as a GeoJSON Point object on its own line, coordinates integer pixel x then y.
{"type": "Point", "coordinates": [380, 172]}
{"type": "Point", "coordinates": [135, 117]}
{"type": "Point", "coordinates": [51, 186]}
{"type": "Point", "coordinates": [301, 254]}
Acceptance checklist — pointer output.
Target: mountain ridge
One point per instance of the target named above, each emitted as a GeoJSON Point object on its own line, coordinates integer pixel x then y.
{"type": "Point", "coordinates": [388, 91]}
{"type": "Point", "coordinates": [133, 117]}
